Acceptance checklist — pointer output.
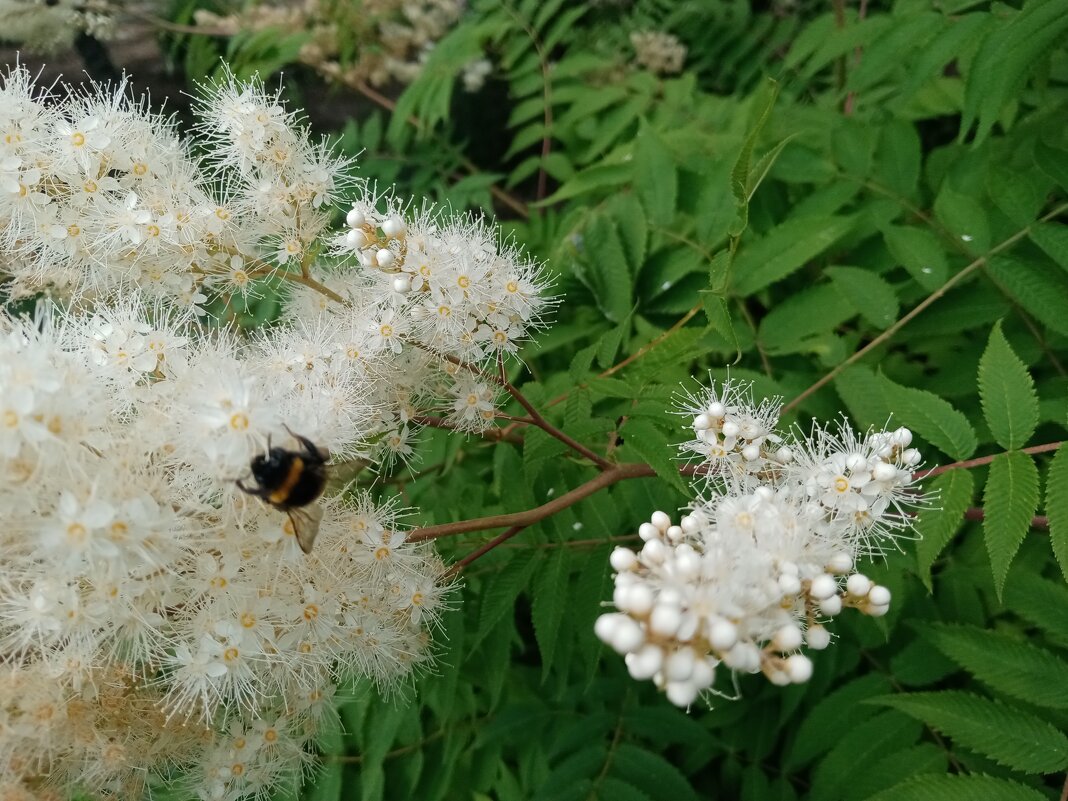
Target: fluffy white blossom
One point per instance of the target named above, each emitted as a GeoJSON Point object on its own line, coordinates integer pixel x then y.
{"type": "Point", "coordinates": [752, 572]}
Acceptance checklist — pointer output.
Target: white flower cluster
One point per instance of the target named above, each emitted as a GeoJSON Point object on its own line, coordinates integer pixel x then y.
{"type": "Point", "coordinates": [152, 615]}
{"type": "Point", "coordinates": [658, 51]}
{"type": "Point", "coordinates": [391, 38]}
{"type": "Point", "coordinates": [97, 194]}
{"type": "Point", "coordinates": [51, 25]}
{"type": "Point", "coordinates": [750, 574]}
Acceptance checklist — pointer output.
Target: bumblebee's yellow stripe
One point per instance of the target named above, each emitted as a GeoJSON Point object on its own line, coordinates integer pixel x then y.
{"type": "Point", "coordinates": [282, 493]}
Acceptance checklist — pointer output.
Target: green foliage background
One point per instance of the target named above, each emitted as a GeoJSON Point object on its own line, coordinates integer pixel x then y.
{"type": "Point", "coordinates": [907, 159]}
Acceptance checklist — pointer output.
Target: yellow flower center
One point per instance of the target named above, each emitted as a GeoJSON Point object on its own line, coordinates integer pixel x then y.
{"type": "Point", "coordinates": [381, 553]}
{"type": "Point", "coordinates": [248, 620]}
{"type": "Point", "coordinates": [231, 655]}
{"type": "Point", "coordinates": [270, 736]}
{"type": "Point", "coordinates": [76, 532]}
{"type": "Point", "coordinates": [386, 330]}
{"type": "Point", "coordinates": [77, 139]}
{"type": "Point", "coordinates": [463, 282]}
{"type": "Point", "coordinates": [311, 612]}
{"type": "Point", "coordinates": [11, 419]}
{"type": "Point", "coordinates": [417, 599]}
{"type": "Point", "coordinates": [119, 530]}
{"type": "Point", "coordinates": [444, 311]}
{"type": "Point", "coordinates": [73, 230]}
{"type": "Point", "coordinates": [90, 186]}
{"type": "Point", "coordinates": [512, 287]}
{"type": "Point", "coordinates": [239, 421]}
{"type": "Point", "coordinates": [140, 168]}
{"type": "Point", "coordinates": [222, 214]}
{"type": "Point", "coordinates": [841, 484]}
{"type": "Point", "coordinates": [153, 230]}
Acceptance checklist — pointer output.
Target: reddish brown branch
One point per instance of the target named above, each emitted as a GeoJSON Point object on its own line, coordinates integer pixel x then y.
{"type": "Point", "coordinates": [976, 513]}
{"type": "Point", "coordinates": [484, 549]}
{"type": "Point", "coordinates": [980, 461]}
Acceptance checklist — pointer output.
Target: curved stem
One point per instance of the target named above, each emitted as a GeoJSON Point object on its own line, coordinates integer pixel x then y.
{"type": "Point", "coordinates": [980, 461]}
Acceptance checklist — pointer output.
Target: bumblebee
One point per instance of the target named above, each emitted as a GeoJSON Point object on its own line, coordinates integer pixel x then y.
{"type": "Point", "coordinates": [292, 481]}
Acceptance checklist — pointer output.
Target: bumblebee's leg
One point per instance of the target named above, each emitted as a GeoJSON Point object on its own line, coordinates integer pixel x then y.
{"type": "Point", "coordinates": [259, 492]}
{"type": "Point", "coordinates": [311, 450]}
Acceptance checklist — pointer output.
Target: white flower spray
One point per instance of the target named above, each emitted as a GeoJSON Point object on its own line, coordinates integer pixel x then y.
{"type": "Point", "coordinates": [750, 574]}
{"type": "Point", "coordinates": [156, 623]}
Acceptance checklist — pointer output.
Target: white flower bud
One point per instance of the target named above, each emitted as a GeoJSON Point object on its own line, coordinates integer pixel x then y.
{"type": "Point", "coordinates": [645, 662]}
{"type": "Point", "coordinates": [402, 283]}
{"type": "Point", "coordinates": [780, 678]}
{"type": "Point", "coordinates": [731, 429]}
{"type": "Point", "coordinates": [856, 463]}
{"type": "Point", "coordinates": [689, 524]}
{"type": "Point", "coordinates": [681, 693]}
{"type": "Point", "coordinates": [385, 258]}
{"type": "Point", "coordinates": [902, 437]}
{"type": "Point", "coordinates": [647, 531]}
{"type": "Point", "coordinates": [688, 627]}
{"type": "Point", "coordinates": [393, 227]}
{"type": "Point", "coordinates": [660, 520]}
{"type": "Point", "coordinates": [356, 239]}
{"type": "Point", "coordinates": [823, 586]}
{"type": "Point", "coordinates": [799, 668]}
{"type": "Point", "coordinates": [605, 626]}
{"type": "Point", "coordinates": [876, 610]}
{"type": "Point", "coordinates": [704, 673]}
{"type": "Point", "coordinates": [751, 453]}
{"type": "Point", "coordinates": [858, 584]}
{"type": "Point", "coordinates": [654, 552]}
{"type": "Point", "coordinates": [355, 218]}
{"type": "Point", "coordinates": [638, 600]}
{"type": "Point", "coordinates": [911, 457]}
{"type": "Point", "coordinates": [723, 635]}
{"type": "Point", "coordinates": [679, 665]}
{"type": "Point", "coordinates": [840, 564]}
{"type": "Point", "coordinates": [687, 565]}
{"type": "Point", "coordinates": [626, 636]}
{"type": "Point", "coordinates": [831, 606]}
{"type": "Point", "coordinates": [717, 409]}
{"type": "Point", "coordinates": [702, 422]}
{"type": "Point", "coordinates": [879, 595]}
{"type": "Point", "coordinates": [674, 533]}
{"type": "Point", "coordinates": [789, 585]}
{"type": "Point", "coordinates": [623, 559]}
{"type": "Point", "coordinates": [884, 471]}
{"type": "Point", "coordinates": [787, 638]}
{"type": "Point", "coordinates": [743, 656]}
{"type": "Point", "coordinates": [789, 568]}
{"type": "Point", "coordinates": [817, 638]}
{"type": "Point", "coordinates": [665, 620]}
{"type": "Point", "coordinates": [784, 455]}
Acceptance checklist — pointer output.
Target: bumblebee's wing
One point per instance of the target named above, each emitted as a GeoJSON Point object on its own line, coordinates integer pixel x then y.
{"type": "Point", "coordinates": [306, 520]}
{"type": "Point", "coordinates": [340, 475]}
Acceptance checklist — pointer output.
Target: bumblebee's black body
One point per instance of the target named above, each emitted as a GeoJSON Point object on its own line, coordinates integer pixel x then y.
{"type": "Point", "coordinates": [289, 480]}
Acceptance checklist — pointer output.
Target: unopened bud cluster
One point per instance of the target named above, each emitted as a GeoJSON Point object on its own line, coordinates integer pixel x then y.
{"type": "Point", "coordinates": [750, 575]}
{"type": "Point", "coordinates": [659, 52]}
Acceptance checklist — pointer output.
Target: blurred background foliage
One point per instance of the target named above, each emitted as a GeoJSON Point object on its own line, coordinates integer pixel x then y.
{"type": "Point", "coordinates": [774, 187]}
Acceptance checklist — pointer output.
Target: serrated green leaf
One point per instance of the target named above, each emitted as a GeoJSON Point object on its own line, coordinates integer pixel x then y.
{"type": "Point", "coordinates": [1057, 506]}
{"type": "Point", "coordinates": [964, 217]}
{"type": "Point", "coordinates": [1010, 499]}
{"type": "Point", "coordinates": [862, 391]}
{"type": "Point", "coordinates": [655, 176]}
{"type": "Point", "coordinates": [1001, 66]}
{"type": "Point", "coordinates": [1009, 736]}
{"type": "Point", "coordinates": [1053, 239]}
{"type": "Point", "coordinates": [582, 362]}
{"type": "Point", "coordinates": [550, 600]}
{"type": "Point", "coordinates": [538, 449]}
{"type": "Point", "coordinates": [952, 495]}
{"type": "Point", "coordinates": [613, 789]}
{"type": "Point", "coordinates": [1007, 392]}
{"type": "Point", "coordinates": [1005, 663]}
{"type": "Point", "coordinates": [887, 769]}
{"type": "Point", "coordinates": [719, 320]}
{"type": "Point", "coordinates": [919, 252]}
{"type": "Point", "coordinates": [786, 249]}
{"type": "Point", "coordinates": [886, 731]}
{"type": "Point", "coordinates": [597, 177]}
{"type": "Point", "coordinates": [1043, 603]}
{"type": "Point", "coordinates": [629, 215]}
{"type": "Point", "coordinates": [502, 589]}
{"type": "Point", "coordinates": [1041, 291]}
{"type": "Point", "coordinates": [611, 280]}
{"type": "Point", "coordinates": [651, 772]}
{"type": "Point", "coordinates": [973, 787]}
{"type": "Point", "coordinates": [868, 293]}
{"type": "Point", "coordinates": [932, 418]}
{"type": "Point", "coordinates": [840, 711]}
{"type": "Point", "coordinates": [654, 447]}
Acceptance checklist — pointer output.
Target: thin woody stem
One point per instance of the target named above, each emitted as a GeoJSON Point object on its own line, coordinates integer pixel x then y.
{"type": "Point", "coordinates": [922, 306]}
{"type": "Point", "coordinates": [977, 513]}
{"type": "Point", "coordinates": [457, 567]}
{"type": "Point", "coordinates": [980, 461]}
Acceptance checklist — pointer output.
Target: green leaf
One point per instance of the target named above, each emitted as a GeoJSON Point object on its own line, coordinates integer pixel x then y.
{"type": "Point", "coordinates": [550, 600]}
{"type": "Point", "coordinates": [862, 391]}
{"type": "Point", "coordinates": [719, 320]}
{"type": "Point", "coordinates": [1041, 602]}
{"type": "Point", "coordinates": [1053, 239]}
{"type": "Point", "coordinates": [867, 292]}
{"type": "Point", "coordinates": [965, 217]}
{"type": "Point", "coordinates": [1007, 392]}
{"type": "Point", "coordinates": [932, 418]}
{"type": "Point", "coordinates": [920, 252]}
{"type": "Point", "coordinates": [538, 449]}
{"type": "Point", "coordinates": [938, 523]}
{"type": "Point", "coordinates": [1042, 292]}
{"type": "Point", "coordinates": [598, 177]}
{"type": "Point", "coordinates": [611, 280]}
{"type": "Point", "coordinates": [1011, 737]}
{"type": "Point", "coordinates": [629, 215]}
{"type": "Point", "coordinates": [786, 249]}
{"type": "Point", "coordinates": [886, 731]}
{"type": "Point", "coordinates": [1057, 506]}
{"type": "Point", "coordinates": [653, 446]}
{"type": "Point", "coordinates": [740, 171]}
{"type": "Point", "coordinates": [502, 589]}
{"type": "Point", "coordinates": [950, 787]}
{"type": "Point", "coordinates": [839, 711]}
{"type": "Point", "coordinates": [1007, 664]}
{"type": "Point", "coordinates": [1007, 55]}
{"type": "Point", "coordinates": [612, 789]}
{"type": "Point", "coordinates": [1010, 499]}
{"type": "Point", "coordinates": [655, 177]}
{"type": "Point", "coordinates": [650, 772]}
